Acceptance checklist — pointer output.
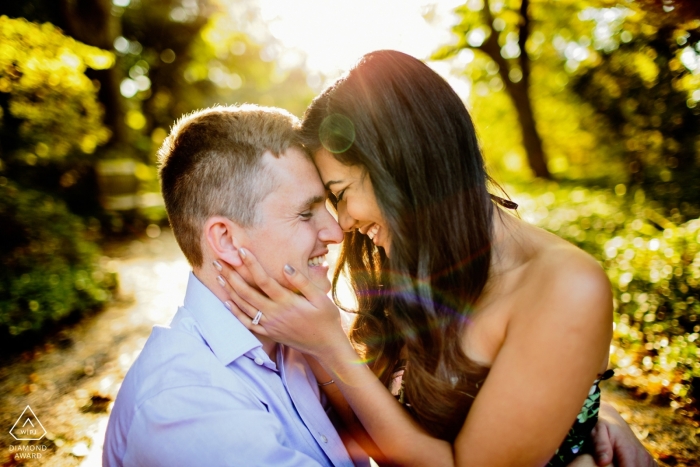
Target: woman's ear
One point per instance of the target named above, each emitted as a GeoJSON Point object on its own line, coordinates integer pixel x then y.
{"type": "Point", "coordinates": [222, 237]}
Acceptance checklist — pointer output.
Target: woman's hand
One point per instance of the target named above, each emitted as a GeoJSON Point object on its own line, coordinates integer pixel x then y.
{"type": "Point", "coordinates": [309, 322]}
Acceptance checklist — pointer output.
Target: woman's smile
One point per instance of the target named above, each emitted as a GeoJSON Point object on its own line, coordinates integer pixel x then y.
{"type": "Point", "coordinates": [354, 199]}
{"type": "Point", "coordinates": [373, 231]}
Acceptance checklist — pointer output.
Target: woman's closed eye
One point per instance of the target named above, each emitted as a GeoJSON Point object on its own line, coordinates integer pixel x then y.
{"type": "Point", "coordinates": [335, 199]}
{"type": "Point", "coordinates": [306, 215]}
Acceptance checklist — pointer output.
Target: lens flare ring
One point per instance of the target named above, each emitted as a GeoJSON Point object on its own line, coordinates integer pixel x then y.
{"type": "Point", "coordinates": [336, 133]}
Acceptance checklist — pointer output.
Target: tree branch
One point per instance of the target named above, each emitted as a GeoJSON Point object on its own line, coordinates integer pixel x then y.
{"type": "Point", "coordinates": [524, 34]}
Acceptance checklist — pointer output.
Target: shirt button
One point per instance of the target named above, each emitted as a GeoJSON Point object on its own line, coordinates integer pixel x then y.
{"type": "Point", "coordinates": [258, 361]}
{"type": "Point", "coordinates": [324, 439]}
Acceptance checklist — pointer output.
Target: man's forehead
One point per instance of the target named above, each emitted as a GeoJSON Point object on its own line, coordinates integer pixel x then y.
{"type": "Point", "coordinates": [297, 182]}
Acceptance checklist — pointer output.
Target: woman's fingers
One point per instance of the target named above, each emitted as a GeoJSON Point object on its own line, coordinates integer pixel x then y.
{"type": "Point", "coordinates": [246, 320]}
{"type": "Point", "coordinates": [245, 296]}
{"type": "Point", "coordinates": [262, 279]}
{"type": "Point", "coordinates": [246, 313]}
{"type": "Point", "coordinates": [303, 284]}
{"type": "Point", "coordinates": [285, 316]}
{"type": "Point", "coordinates": [242, 305]}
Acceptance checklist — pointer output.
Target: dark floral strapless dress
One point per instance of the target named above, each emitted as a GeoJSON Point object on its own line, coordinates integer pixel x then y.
{"type": "Point", "coordinates": [577, 442]}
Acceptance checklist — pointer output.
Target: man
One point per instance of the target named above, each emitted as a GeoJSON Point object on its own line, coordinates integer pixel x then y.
{"type": "Point", "coordinates": [206, 391]}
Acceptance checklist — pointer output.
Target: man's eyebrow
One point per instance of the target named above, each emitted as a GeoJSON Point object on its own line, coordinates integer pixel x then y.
{"type": "Point", "coordinates": [332, 182]}
{"type": "Point", "coordinates": [311, 201]}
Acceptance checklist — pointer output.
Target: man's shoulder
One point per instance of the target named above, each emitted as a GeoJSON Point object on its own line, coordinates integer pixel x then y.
{"type": "Point", "coordinates": [171, 358]}
{"type": "Point", "coordinates": [176, 372]}
{"type": "Point", "coordinates": [175, 357]}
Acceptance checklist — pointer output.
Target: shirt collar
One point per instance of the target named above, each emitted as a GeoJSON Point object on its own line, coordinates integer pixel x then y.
{"type": "Point", "coordinates": [225, 335]}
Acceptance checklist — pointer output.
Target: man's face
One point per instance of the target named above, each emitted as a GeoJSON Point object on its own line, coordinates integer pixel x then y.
{"type": "Point", "coordinates": [294, 225]}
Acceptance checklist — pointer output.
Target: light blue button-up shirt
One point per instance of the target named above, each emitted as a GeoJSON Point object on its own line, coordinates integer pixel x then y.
{"type": "Point", "coordinates": [203, 392]}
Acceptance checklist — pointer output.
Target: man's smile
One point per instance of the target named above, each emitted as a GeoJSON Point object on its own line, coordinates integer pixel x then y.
{"type": "Point", "coordinates": [319, 260]}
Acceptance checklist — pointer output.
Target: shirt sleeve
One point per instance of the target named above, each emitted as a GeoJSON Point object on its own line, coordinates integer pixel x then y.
{"type": "Point", "coordinates": [203, 425]}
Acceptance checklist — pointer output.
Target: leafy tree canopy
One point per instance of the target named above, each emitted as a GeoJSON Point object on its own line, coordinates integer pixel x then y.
{"type": "Point", "coordinates": [50, 105]}
{"type": "Point", "coordinates": [613, 87]}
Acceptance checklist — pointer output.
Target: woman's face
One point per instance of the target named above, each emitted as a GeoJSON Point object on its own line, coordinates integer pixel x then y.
{"type": "Point", "coordinates": [356, 204]}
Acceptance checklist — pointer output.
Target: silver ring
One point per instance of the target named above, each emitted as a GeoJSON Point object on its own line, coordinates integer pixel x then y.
{"type": "Point", "coordinates": [256, 320]}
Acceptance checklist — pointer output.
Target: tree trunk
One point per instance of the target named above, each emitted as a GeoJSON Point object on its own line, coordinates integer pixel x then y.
{"type": "Point", "coordinates": [520, 91]}
{"type": "Point", "coordinates": [531, 138]}
{"type": "Point", "coordinates": [92, 22]}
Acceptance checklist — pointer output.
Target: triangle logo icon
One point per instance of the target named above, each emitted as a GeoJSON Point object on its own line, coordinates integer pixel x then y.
{"type": "Point", "coordinates": [28, 427]}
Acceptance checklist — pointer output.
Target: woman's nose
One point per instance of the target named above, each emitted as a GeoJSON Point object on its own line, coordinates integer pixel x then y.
{"type": "Point", "coordinates": [346, 222]}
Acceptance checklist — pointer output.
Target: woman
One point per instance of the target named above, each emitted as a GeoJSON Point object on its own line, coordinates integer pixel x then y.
{"type": "Point", "coordinates": [489, 331]}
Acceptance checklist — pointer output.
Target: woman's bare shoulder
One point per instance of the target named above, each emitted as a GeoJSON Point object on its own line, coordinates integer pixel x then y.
{"type": "Point", "coordinates": [562, 276]}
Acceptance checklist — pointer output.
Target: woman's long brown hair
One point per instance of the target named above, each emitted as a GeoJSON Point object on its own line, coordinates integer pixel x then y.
{"type": "Point", "coordinates": [400, 121]}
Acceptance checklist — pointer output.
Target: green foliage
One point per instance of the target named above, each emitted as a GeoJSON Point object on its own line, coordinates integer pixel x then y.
{"type": "Point", "coordinates": [52, 120]}
{"type": "Point", "coordinates": [654, 267]}
{"type": "Point", "coordinates": [207, 54]}
{"type": "Point", "coordinates": [648, 90]}
{"type": "Point", "coordinates": [49, 263]}
{"type": "Point", "coordinates": [51, 125]}
{"type": "Point", "coordinates": [488, 53]}
{"type": "Point", "coordinates": [615, 90]}
{"type": "Point", "coordinates": [46, 92]}
{"type": "Point", "coordinates": [616, 93]}
{"type": "Point", "coordinates": [240, 69]}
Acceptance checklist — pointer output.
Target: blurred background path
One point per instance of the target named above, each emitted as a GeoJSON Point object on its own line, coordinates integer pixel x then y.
{"type": "Point", "coordinates": [71, 381]}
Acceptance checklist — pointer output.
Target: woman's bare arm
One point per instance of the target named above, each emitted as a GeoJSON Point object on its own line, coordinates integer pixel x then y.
{"type": "Point", "coordinates": [554, 347]}
{"type": "Point", "coordinates": [346, 413]}
{"type": "Point", "coordinates": [549, 354]}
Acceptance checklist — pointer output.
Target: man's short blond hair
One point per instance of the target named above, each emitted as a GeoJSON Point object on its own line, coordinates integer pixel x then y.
{"type": "Point", "coordinates": [211, 165]}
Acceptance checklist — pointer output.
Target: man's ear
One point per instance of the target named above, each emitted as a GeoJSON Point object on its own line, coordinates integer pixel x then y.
{"type": "Point", "coordinates": [222, 236]}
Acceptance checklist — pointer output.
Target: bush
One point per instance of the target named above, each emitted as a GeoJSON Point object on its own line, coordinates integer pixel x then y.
{"type": "Point", "coordinates": [49, 267]}
{"type": "Point", "coordinates": [46, 90]}
{"type": "Point", "coordinates": [654, 268]}
{"type": "Point", "coordinates": [50, 127]}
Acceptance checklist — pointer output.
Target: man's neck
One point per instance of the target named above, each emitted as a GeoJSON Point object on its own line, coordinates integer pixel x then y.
{"type": "Point", "coordinates": [208, 278]}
